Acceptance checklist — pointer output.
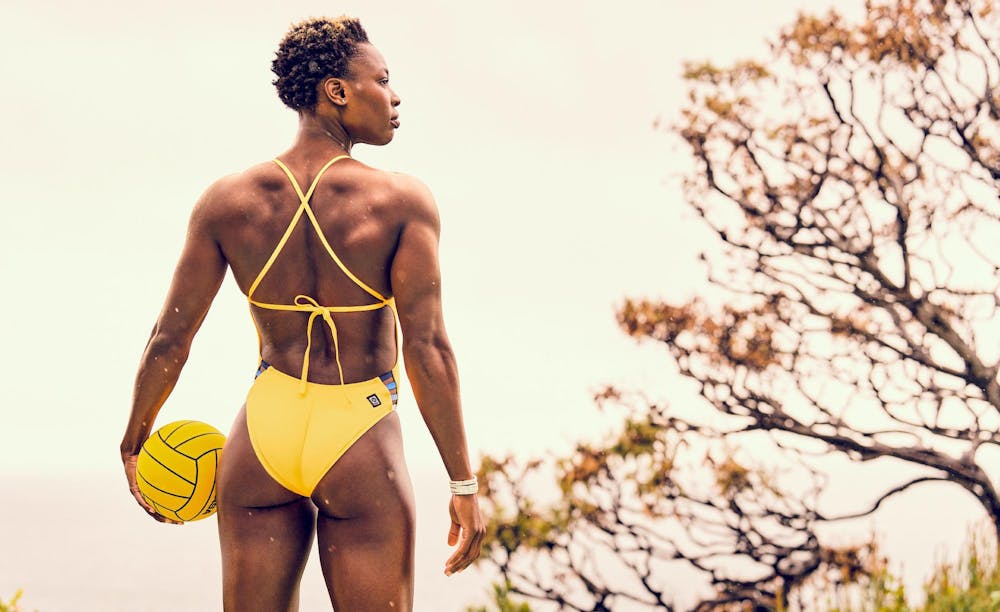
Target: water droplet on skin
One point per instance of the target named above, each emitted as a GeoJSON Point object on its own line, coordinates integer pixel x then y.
{"type": "Point", "coordinates": [271, 538]}
{"type": "Point", "coordinates": [391, 475]}
{"type": "Point", "coordinates": [176, 309]}
{"type": "Point", "coordinates": [249, 513]}
{"type": "Point", "coordinates": [392, 604]}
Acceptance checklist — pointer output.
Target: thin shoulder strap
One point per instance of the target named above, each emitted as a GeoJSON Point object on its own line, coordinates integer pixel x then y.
{"type": "Point", "coordinates": [322, 237]}
{"type": "Point", "coordinates": [303, 205]}
{"type": "Point", "coordinates": [304, 199]}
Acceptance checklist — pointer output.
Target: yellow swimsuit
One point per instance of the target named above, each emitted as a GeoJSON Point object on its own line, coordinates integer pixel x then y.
{"type": "Point", "coordinates": [299, 429]}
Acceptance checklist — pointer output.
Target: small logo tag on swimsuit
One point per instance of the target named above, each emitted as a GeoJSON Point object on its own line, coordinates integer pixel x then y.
{"type": "Point", "coordinates": [374, 400]}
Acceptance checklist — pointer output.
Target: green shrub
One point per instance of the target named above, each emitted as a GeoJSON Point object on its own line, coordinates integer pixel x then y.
{"type": "Point", "coordinates": [11, 606]}
{"type": "Point", "coordinates": [502, 602]}
{"type": "Point", "coordinates": [971, 584]}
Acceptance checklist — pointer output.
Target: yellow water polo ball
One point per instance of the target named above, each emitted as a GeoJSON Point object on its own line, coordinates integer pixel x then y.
{"type": "Point", "coordinates": [176, 469]}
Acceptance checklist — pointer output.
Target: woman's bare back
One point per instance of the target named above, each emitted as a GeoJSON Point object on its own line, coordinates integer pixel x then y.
{"type": "Point", "coordinates": [361, 220]}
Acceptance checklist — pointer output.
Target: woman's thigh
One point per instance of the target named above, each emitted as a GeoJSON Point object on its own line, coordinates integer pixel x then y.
{"type": "Point", "coordinates": [265, 530]}
{"type": "Point", "coordinates": [366, 523]}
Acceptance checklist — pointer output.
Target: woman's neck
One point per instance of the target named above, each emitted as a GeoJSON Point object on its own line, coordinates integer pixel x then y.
{"type": "Point", "coordinates": [319, 134]}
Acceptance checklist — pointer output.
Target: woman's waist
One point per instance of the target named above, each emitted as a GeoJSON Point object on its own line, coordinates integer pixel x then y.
{"type": "Point", "coordinates": [356, 365]}
{"type": "Point", "coordinates": [278, 387]}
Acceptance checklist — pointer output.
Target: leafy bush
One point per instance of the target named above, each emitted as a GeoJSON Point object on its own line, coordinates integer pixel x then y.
{"type": "Point", "coordinates": [501, 602]}
{"type": "Point", "coordinates": [970, 584]}
{"type": "Point", "coordinates": [11, 606]}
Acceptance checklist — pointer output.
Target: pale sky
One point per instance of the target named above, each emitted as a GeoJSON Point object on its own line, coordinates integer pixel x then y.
{"type": "Point", "coordinates": [532, 123]}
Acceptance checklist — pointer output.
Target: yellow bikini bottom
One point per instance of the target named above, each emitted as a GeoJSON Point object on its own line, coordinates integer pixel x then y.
{"type": "Point", "coordinates": [298, 436]}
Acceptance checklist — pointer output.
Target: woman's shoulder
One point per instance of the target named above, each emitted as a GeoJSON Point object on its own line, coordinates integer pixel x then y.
{"type": "Point", "coordinates": [399, 189]}
{"type": "Point", "coordinates": [264, 176]}
{"type": "Point", "coordinates": [233, 194]}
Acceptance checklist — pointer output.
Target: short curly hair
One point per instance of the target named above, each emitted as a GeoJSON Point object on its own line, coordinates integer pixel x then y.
{"type": "Point", "coordinates": [311, 51]}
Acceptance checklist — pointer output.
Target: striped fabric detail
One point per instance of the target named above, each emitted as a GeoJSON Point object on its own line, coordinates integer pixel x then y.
{"type": "Point", "coordinates": [263, 366]}
{"type": "Point", "coordinates": [387, 379]}
{"type": "Point", "coordinates": [390, 383]}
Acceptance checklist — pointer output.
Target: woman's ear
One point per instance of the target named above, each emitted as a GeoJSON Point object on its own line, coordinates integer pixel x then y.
{"type": "Point", "coordinates": [335, 91]}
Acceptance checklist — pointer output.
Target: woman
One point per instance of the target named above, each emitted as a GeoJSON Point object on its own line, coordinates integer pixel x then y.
{"type": "Point", "coordinates": [328, 251]}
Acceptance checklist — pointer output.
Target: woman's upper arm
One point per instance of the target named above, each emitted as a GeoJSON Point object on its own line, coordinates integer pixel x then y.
{"type": "Point", "coordinates": [415, 274]}
{"type": "Point", "coordinates": [198, 275]}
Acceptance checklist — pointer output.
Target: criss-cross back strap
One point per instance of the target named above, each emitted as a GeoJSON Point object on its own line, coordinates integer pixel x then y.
{"type": "Point", "coordinates": [303, 204]}
{"type": "Point", "coordinates": [305, 303]}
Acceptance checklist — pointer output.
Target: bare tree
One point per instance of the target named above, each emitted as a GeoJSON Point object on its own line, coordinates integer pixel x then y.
{"type": "Point", "coordinates": [861, 223]}
{"type": "Point", "coordinates": [852, 181]}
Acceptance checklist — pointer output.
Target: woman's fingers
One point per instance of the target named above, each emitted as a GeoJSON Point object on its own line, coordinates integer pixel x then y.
{"type": "Point", "coordinates": [468, 551]}
{"type": "Point", "coordinates": [467, 531]}
{"type": "Point", "coordinates": [133, 487]}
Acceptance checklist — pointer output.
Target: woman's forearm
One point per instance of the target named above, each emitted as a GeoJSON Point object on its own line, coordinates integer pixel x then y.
{"type": "Point", "coordinates": [433, 372]}
{"type": "Point", "coordinates": [158, 372]}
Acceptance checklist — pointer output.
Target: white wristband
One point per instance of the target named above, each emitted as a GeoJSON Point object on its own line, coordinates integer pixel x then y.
{"type": "Point", "coordinates": [464, 487]}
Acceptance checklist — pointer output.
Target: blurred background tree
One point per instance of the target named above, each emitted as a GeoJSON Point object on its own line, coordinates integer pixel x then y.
{"type": "Point", "coordinates": [852, 181]}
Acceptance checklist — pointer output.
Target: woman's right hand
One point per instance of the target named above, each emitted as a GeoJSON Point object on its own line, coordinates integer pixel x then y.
{"type": "Point", "coordinates": [130, 461]}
